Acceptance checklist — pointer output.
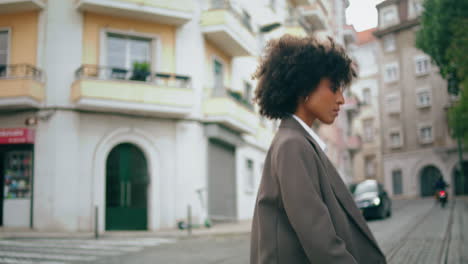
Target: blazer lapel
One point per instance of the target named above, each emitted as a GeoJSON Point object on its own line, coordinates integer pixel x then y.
{"type": "Point", "coordinates": [344, 197]}
{"type": "Point", "coordinates": [339, 189]}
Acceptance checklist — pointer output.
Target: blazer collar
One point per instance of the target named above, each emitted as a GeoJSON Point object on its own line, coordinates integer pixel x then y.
{"type": "Point", "coordinates": [291, 123]}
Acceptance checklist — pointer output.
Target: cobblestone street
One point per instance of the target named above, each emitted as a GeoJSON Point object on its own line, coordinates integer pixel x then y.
{"type": "Point", "coordinates": [419, 231]}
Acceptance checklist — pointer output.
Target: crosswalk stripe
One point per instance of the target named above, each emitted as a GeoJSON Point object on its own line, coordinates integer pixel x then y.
{"type": "Point", "coordinates": [22, 261]}
{"type": "Point", "coordinates": [133, 242]}
{"type": "Point", "coordinates": [53, 250]}
{"type": "Point", "coordinates": [46, 256]}
{"type": "Point", "coordinates": [64, 246]}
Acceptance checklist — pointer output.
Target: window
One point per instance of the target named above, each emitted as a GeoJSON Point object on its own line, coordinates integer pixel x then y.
{"type": "Point", "coordinates": [422, 65]}
{"type": "Point", "coordinates": [389, 43]}
{"type": "Point", "coordinates": [249, 176]}
{"type": "Point", "coordinates": [123, 51]}
{"type": "Point", "coordinates": [370, 167]}
{"type": "Point", "coordinates": [389, 16]}
{"type": "Point", "coordinates": [391, 72]}
{"type": "Point", "coordinates": [395, 139]}
{"type": "Point", "coordinates": [3, 47]}
{"type": "Point", "coordinates": [366, 96]}
{"type": "Point", "coordinates": [425, 134]}
{"type": "Point", "coordinates": [423, 97]}
{"type": "Point", "coordinates": [4, 38]}
{"type": "Point", "coordinates": [218, 76]}
{"type": "Point", "coordinates": [397, 182]}
{"type": "Point", "coordinates": [248, 92]}
{"type": "Point", "coordinates": [368, 127]}
{"type": "Point", "coordinates": [393, 103]}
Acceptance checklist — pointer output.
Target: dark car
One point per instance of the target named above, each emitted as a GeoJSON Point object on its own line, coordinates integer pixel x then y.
{"type": "Point", "coordinates": [372, 199]}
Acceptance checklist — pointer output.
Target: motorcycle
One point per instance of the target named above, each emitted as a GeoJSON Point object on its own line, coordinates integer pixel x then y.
{"type": "Point", "coordinates": [442, 197]}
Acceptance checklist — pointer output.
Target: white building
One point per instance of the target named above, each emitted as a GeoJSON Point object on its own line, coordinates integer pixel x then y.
{"type": "Point", "coordinates": [82, 128]}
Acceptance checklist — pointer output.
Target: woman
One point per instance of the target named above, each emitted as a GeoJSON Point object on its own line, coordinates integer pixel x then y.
{"type": "Point", "coordinates": [304, 213]}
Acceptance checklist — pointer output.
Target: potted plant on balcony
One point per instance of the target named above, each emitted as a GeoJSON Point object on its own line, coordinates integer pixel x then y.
{"type": "Point", "coordinates": [141, 71]}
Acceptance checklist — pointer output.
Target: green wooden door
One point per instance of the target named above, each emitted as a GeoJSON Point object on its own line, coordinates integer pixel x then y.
{"type": "Point", "coordinates": [126, 189]}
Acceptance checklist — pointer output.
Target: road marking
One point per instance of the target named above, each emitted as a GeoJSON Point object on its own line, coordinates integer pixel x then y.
{"type": "Point", "coordinates": [22, 261]}
{"type": "Point", "coordinates": [46, 256]}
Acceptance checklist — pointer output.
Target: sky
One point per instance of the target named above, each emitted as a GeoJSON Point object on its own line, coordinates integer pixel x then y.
{"type": "Point", "coordinates": [362, 14]}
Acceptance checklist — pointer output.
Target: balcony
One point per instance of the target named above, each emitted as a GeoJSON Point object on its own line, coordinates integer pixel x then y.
{"type": "Point", "coordinates": [229, 30]}
{"type": "Point", "coordinates": [231, 111]}
{"type": "Point", "coordinates": [16, 6]}
{"type": "Point", "coordinates": [293, 27]}
{"type": "Point", "coordinates": [21, 86]}
{"type": "Point", "coordinates": [160, 11]}
{"type": "Point", "coordinates": [353, 143]}
{"type": "Point", "coordinates": [302, 2]}
{"type": "Point", "coordinates": [110, 89]}
{"type": "Point", "coordinates": [316, 15]}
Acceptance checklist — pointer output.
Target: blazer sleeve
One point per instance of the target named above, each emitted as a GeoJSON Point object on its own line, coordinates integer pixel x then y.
{"type": "Point", "coordinates": [306, 211]}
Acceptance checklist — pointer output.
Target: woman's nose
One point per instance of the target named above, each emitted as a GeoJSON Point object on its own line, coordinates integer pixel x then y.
{"type": "Point", "coordinates": [340, 98]}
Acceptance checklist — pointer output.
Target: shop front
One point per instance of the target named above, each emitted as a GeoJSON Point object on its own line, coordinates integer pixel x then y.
{"type": "Point", "coordinates": [16, 176]}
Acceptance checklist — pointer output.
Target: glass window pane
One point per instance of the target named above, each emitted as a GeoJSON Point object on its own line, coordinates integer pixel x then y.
{"type": "Point", "coordinates": [3, 47]}
{"type": "Point", "coordinates": [139, 50]}
{"type": "Point", "coordinates": [116, 51]}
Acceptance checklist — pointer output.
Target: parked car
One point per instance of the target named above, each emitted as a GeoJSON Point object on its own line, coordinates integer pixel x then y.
{"type": "Point", "coordinates": [372, 199]}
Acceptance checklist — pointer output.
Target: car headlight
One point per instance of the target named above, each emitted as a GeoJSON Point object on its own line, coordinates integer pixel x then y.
{"type": "Point", "coordinates": [376, 201]}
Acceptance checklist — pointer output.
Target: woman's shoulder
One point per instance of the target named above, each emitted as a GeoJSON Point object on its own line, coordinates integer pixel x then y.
{"type": "Point", "coordinates": [289, 138]}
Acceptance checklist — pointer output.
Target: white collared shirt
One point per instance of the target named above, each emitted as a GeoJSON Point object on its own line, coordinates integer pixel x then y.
{"type": "Point", "coordinates": [309, 130]}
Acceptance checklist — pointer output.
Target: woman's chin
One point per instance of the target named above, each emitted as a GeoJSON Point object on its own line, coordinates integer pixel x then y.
{"type": "Point", "coordinates": [327, 121]}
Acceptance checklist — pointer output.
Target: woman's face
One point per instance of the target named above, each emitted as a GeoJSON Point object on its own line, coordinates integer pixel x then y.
{"type": "Point", "coordinates": [323, 103]}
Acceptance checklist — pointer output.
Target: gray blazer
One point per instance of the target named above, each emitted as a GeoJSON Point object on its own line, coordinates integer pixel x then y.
{"type": "Point", "coordinates": [304, 213]}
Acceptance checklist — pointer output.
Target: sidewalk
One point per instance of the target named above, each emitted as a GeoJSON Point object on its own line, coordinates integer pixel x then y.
{"type": "Point", "coordinates": [241, 227]}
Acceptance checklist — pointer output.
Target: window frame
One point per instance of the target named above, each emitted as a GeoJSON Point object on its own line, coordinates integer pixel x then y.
{"type": "Point", "coordinates": [392, 65]}
{"type": "Point", "coordinates": [367, 138]}
{"type": "Point", "coordinates": [422, 59]}
{"type": "Point", "coordinates": [155, 46]}
{"type": "Point", "coordinates": [390, 109]}
{"type": "Point", "coordinates": [391, 8]}
{"type": "Point", "coordinates": [385, 39]}
{"type": "Point", "coordinates": [419, 92]}
{"type": "Point", "coordinates": [249, 183]}
{"type": "Point", "coordinates": [367, 100]}
{"type": "Point", "coordinates": [422, 140]}
{"type": "Point", "coordinates": [400, 133]}
{"type": "Point", "coordinates": [8, 51]}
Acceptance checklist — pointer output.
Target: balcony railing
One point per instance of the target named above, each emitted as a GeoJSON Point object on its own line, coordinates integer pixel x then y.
{"type": "Point", "coordinates": [21, 71]}
{"type": "Point", "coordinates": [120, 74]}
{"type": "Point", "coordinates": [236, 96]}
{"type": "Point", "coordinates": [244, 19]}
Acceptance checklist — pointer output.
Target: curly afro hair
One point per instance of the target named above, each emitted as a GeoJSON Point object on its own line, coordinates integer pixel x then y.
{"type": "Point", "coordinates": [292, 68]}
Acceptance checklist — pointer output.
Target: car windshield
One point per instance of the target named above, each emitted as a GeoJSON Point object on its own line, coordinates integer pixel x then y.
{"type": "Point", "coordinates": [365, 187]}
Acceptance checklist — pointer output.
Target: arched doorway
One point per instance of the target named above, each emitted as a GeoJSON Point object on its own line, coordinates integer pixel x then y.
{"type": "Point", "coordinates": [126, 189]}
{"type": "Point", "coordinates": [428, 178]}
{"type": "Point", "coordinates": [460, 184]}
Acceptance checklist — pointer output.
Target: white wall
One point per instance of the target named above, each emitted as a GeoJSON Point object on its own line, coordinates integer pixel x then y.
{"type": "Point", "coordinates": [156, 139]}
{"type": "Point", "coordinates": [246, 198]}
{"type": "Point", "coordinates": [62, 49]}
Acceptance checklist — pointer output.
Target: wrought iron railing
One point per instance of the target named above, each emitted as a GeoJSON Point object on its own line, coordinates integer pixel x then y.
{"type": "Point", "coordinates": [244, 19]}
{"type": "Point", "coordinates": [21, 71]}
{"type": "Point", "coordinates": [121, 74]}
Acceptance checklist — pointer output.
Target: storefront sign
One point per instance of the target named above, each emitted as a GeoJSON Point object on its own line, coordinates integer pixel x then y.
{"type": "Point", "coordinates": [16, 136]}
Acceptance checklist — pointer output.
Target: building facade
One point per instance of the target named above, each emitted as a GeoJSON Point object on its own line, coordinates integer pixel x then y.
{"type": "Point", "coordinates": [112, 109]}
{"type": "Point", "coordinates": [417, 147]}
{"type": "Point", "coordinates": [366, 124]}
